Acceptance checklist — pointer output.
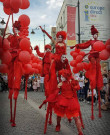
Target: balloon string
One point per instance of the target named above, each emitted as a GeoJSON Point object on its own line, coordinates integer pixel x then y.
{"type": "Point", "coordinates": [5, 29]}
{"type": "Point", "coordinates": [13, 26]}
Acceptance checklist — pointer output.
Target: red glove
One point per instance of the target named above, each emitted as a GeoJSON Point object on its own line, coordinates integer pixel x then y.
{"type": "Point", "coordinates": [77, 46]}
{"type": "Point", "coordinates": [42, 29]}
{"type": "Point", "coordinates": [36, 47]}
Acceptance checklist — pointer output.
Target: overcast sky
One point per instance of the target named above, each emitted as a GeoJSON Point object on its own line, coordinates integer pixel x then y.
{"type": "Point", "coordinates": [40, 12]}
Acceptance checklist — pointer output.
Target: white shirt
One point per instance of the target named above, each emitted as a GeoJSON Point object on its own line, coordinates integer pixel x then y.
{"type": "Point", "coordinates": [81, 81]}
{"type": "Point", "coordinates": [41, 79]}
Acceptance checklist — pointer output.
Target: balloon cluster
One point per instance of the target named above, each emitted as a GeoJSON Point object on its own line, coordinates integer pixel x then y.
{"type": "Point", "coordinates": [77, 62]}
{"type": "Point", "coordinates": [13, 6]}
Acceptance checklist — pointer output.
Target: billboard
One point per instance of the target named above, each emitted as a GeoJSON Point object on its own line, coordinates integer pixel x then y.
{"type": "Point", "coordinates": [71, 18]}
{"type": "Point", "coordinates": [95, 12]}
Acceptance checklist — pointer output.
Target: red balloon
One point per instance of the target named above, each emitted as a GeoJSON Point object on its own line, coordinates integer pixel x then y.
{"type": "Point", "coordinates": [24, 20]}
{"type": "Point", "coordinates": [73, 63]}
{"type": "Point", "coordinates": [34, 65]}
{"type": "Point", "coordinates": [71, 53]}
{"type": "Point", "coordinates": [32, 56]}
{"type": "Point", "coordinates": [2, 0]}
{"type": "Point", "coordinates": [108, 48]}
{"type": "Point", "coordinates": [7, 11]}
{"type": "Point", "coordinates": [79, 58]}
{"type": "Point", "coordinates": [0, 42]}
{"type": "Point", "coordinates": [15, 4]}
{"type": "Point", "coordinates": [74, 55]}
{"type": "Point", "coordinates": [75, 70]}
{"type": "Point", "coordinates": [98, 46]}
{"type": "Point", "coordinates": [3, 68]}
{"type": "Point", "coordinates": [35, 60]}
{"type": "Point", "coordinates": [1, 52]}
{"type": "Point", "coordinates": [107, 42]}
{"type": "Point", "coordinates": [15, 10]}
{"type": "Point", "coordinates": [25, 4]}
{"type": "Point", "coordinates": [24, 57]}
{"type": "Point", "coordinates": [27, 68]}
{"type": "Point", "coordinates": [104, 55]}
{"type": "Point", "coordinates": [77, 50]}
{"type": "Point", "coordinates": [6, 57]}
{"type": "Point", "coordinates": [6, 44]}
{"type": "Point", "coordinates": [24, 44]}
{"type": "Point", "coordinates": [80, 66]}
{"type": "Point", "coordinates": [82, 53]}
{"type": "Point", "coordinates": [6, 4]}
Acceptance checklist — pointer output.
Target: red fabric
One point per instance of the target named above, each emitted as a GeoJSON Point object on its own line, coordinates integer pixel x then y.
{"type": "Point", "coordinates": [91, 73]}
{"type": "Point", "coordinates": [66, 104]}
{"type": "Point", "coordinates": [39, 53]}
{"type": "Point", "coordinates": [62, 33]}
{"type": "Point", "coordinates": [15, 74]}
{"type": "Point", "coordinates": [46, 33]}
{"type": "Point", "coordinates": [93, 30]}
{"type": "Point", "coordinates": [48, 47]}
{"type": "Point", "coordinates": [60, 48]}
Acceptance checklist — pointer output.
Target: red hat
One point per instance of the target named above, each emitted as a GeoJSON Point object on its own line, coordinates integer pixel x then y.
{"type": "Point", "coordinates": [93, 30]}
{"type": "Point", "coordinates": [17, 25]}
{"type": "Point", "coordinates": [48, 47]}
{"type": "Point", "coordinates": [62, 33]}
{"type": "Point", "coordinates": [65, 73]}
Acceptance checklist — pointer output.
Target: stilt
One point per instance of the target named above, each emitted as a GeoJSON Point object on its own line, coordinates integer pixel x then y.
{"type": "Point", "coordinates": [100, 115]}
{"type": "Point", "coordinates": [92, 109]}
{"type": "Point", "coordinates": [11, 119]}
{"type": "Point", "coordinates": [80, 115]}
{"type": "Point", "coordinates": [13, 124]}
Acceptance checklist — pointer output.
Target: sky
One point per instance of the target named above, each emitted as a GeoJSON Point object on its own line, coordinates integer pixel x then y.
{"type": "Point", "coordinates": [41, 12]}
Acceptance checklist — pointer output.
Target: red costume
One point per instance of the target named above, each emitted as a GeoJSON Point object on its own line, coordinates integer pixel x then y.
{"type": "Point", "coordinates": [94, 73]}
{"type": "Point", "coordinates": [45, 65]}
{"type": "Point", "coordinates": [66, 103]}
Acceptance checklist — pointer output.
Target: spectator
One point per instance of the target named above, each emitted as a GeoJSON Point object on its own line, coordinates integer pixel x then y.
{"type": "Point", "coordinates": [38, 83]}
{"type": "Point", "coordinates": [5, 82]}
{"type": "Point", "coordinates": [81, 84]}
{"type": "Point", "coordinates": [86, 87]}
{"type": "Point", "coordinates": [35, 84]}
{"type": "Point", "coordinates": [89, 95]}
{"type": "Point", "coordinates": [42, 83]}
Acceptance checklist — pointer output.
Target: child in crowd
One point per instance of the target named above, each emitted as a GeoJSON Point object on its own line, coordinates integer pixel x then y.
{"type": "Point", "coordinates": [35, 84]}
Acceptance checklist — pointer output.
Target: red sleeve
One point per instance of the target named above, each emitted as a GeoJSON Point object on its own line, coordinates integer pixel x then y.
{"type": "Point", "coordinates": [84, 45]}
{"type": "Point", "coordinates": [47, 34]}
{"type": "Point", "coordinates": [39, 53]}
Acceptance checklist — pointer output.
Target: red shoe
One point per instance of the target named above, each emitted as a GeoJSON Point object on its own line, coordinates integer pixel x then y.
{"type": "Point", "coordinates": [57, 128]}
{"type": "Point", "coordinates": [80, 133]}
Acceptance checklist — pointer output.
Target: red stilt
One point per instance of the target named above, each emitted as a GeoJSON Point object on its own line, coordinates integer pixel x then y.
{"type": "Point", "coordinates": [50, 112]}
{"type": "Point", "coordinates": [46, 121]}
{"type": "Point", "coordinates": [11, 120]}
{"type": "Point", "coordinates": [100, 115]}
{"type": "Point", "coordinates": [92, 115]}
{"type": "Point", "coordinates": [13, 124]}
{"type": "Point", "coordinates": [25, 94]}
{"type": "Point", "coordinates": [80, 115]}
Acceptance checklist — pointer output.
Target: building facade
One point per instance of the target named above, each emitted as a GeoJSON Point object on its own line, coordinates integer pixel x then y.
{"type": "Point", "coordinates": [92, 12]}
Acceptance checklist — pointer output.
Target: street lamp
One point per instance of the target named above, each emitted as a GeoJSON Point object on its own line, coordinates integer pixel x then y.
{"type": "Point", "coordinates": [2, 22]}
{"type": "Point", "coordinates": [78, 5]}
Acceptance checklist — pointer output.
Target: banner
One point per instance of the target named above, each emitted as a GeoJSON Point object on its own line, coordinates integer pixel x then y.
{"type": "Point", "coordinates": [71, 17]}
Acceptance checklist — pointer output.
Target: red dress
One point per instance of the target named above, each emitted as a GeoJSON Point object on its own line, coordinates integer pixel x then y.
{"type": "Point", "coordinates": [67, 103]}
{"type": "Point", "coordinates": [94, 73]}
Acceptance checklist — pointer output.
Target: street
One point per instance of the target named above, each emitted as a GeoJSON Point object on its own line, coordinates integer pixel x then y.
{"type": "Point", "coordinates": [30, 119]}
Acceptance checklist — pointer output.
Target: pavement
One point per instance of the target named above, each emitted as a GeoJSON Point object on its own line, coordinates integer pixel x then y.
{"type": "Point", "coordinates": [30, 119]}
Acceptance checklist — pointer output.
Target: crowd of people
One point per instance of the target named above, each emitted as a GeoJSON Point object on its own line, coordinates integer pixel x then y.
{"type": "Point", "coordinates": [85, 93]}
{"type": "Point", "coordinates": [36, 83]}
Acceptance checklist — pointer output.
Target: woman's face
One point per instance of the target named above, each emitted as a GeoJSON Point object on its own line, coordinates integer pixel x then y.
{"type": "Point", "coordinates": [60, 38]}
{"type": "Point", "coordinates": [95, 36]}
{"type": "Point", "coordinates": [63, 78]}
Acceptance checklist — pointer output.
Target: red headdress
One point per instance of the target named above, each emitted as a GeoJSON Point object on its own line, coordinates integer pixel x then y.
{"type": "Point", "coordinates": [65, 73]}
{"type": "Point", "coordinates": [48, 47]}
{"type": "Point", "coordinates": [93, 30]}
{"type": "Point", "coordinates": [17, 25]}
{"type": "Point", "coordinates": [62, 33]}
